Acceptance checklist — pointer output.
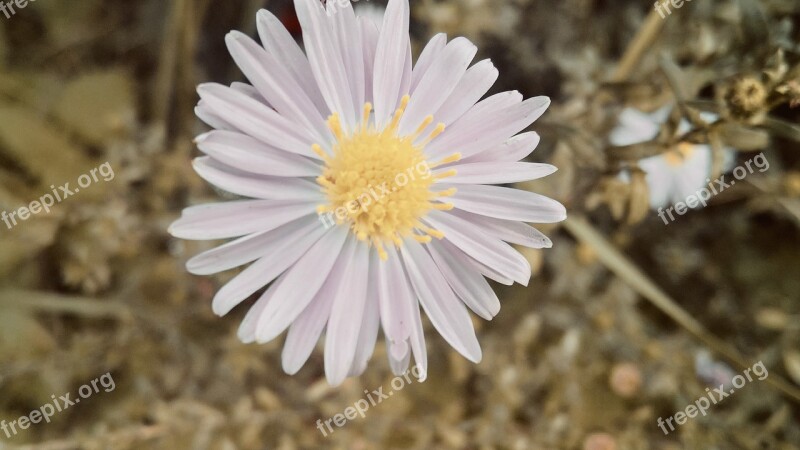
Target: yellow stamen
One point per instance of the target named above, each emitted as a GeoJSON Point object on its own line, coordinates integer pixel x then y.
{"type": "Point", "coordinates": [434, 134]}
{"type": "Point", "coordinates": [360, 180]}
{"type": "Point", "coordinates": [448, 193]}
{"type": "Point", "coordinates": [446, 174]}
{"type": "Point", "coordinates": [335, 126]}
{"type": "Point", "coordinates": [365, 115]}
{"type": "Point", "coordinates": [425, 124]}
{"type": "Point", "coordinates": [443, 206]}
{"type": "Point", "coordinates": [432, 232]}
{"type": "Point", "coordinates": [381, 251]}
{"type": "Point", "coordinates": [398, 114]}
{"type": "Point", "coordinates": [421, 239]}
{"type": "Point", "coordinates": [319, 151]}
{"type": "Point", "coordinates": [324, 182]}
{"type": "Point", "coordinates": [455, 157]}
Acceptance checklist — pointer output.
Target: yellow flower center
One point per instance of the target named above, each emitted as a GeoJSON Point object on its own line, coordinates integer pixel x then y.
{"type": "Point", "coordinates": [379, 182]}
{"type": "Point", "coordinates": [678, 156]}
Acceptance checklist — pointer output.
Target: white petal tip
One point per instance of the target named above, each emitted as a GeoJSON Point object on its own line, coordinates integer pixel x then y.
{"type": "Point", "coordinates": [218, 304]}
{"type": "Point", "coordinates": [476, 356]}
{"type": "Point", "coordinates": [335, 381]}
{"type": "Point", "coordinates": [244, 336]}
{"type": "Point", "coordinates": [201, 138]}
{"type": "Point", "coordinates": [195, 269]}
{"type": "Point", "coordinates": [399, 350]}
{"type": "Point", "coordinates": [290, 367]}
{"type": "Point", "coordinates": [204, 87]}
{"type": "Point", "coordinates": [235, 35]}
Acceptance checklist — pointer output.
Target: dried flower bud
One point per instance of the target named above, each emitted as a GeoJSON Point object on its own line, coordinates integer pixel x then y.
{"type": "Point", "coordinates": [600, 441]}
{"type": "Point", "coordinates": [746, 97]}
{"type": "Point", "coordinates": [791, 90]}
{"type": "Point", "coordinates": [625, 380]}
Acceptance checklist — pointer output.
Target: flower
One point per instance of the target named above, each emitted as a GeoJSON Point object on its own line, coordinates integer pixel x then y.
{"type": "Point", "coordinates": [399, 161]}
{"type": "Point", "coordinates": [673, 175]}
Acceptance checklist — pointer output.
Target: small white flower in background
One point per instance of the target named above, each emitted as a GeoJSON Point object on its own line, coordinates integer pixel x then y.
{"type": "Point", "coordinates": [676, 174]}
{"type": "Point", "coordinates": [320, 129]}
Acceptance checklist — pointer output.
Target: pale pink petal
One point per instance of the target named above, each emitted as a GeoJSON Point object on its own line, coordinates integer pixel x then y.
{"type": "Point", "coordinates": [506, 203]}
{"type": "Point", "coordinates": [398, 363]}
{"type": "Point", "coordinates": [324, 55]}
{"type": "Point", "coordinates": [249, 91]}
{"type": "Point", "coordinates": [497, 172]}
{"type": "Point", "coordinates": [307, 329]}
{"type": "Point", "coordinates": [475, 83]}
{"type": "Point", "coordinates": [344, 324]}
{"type": "Point", "coordinates": [438, 82]}
{"type": "Point", "coordinates": [429, 54]}
{"type": "Point", "coordinates": [237, 218]}
{"type": "Point", "coordinates": [212, 119]}
{"type": "Point", "coordinates": [418, 342]}
{"type": "Point", "coordinates": [249, 248]}
{"type": "Point", "coordinates": [466, 281]}
{"type": "Point", "coordinates": [348, 36]}
{"type": "Point", "coordinates": [489, 251]}
{"type": "Point", "coordinates": [371, 321]}
{"type": "Point", "coordinates": [515, 149]}
{"type": "Point", "coordinates": [248, 184]}
{"type": "Point", "coordinates": [278, 41]}
{"type": "Point", "coordinates": [491, 130]}
{"type": "Point", "coordinates": [249, 325]}
{"type": "Point", "coordinates": [477, 114]}
{"type": "Point", "coordinates": [396, 299]}
{"type": "Point", "coordinates": [447, 313]}
{"type": "Point", "coordinates": [511, 231]}
{"type": "Point", "coordinates": [257, 120]}
{"type": "Point", "coordinates": [301, 283]}
{"type": "Point", "coordinates": [281, 256]}
{"type": "Point", "coordinates": [485, 270]}
{"type": "Point", "coordinates": [369, 38]}
{"type": "Point", "coordinates": [277, 85]}
{"type": "Point", "coordinates": [251, 155]}
{"type": "Point", "coordinates": [391, 59]}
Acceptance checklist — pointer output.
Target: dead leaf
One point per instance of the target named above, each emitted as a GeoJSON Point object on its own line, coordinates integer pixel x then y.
{"type": "Point", "coordinates": [791, 361]}
{"type": "Point", "coordinates": [43, 152]}
{"type": "Point", "coordinates": [98, 106]}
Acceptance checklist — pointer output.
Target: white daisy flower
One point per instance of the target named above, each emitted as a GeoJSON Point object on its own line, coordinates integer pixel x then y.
{"type": "Point", "coordinates": [673, 175]}
{"type": "Point", "coordinates": [347, 121]}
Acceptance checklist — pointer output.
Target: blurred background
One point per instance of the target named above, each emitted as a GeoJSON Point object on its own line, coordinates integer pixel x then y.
{"type": "Point", "coordinates": [626, 320]}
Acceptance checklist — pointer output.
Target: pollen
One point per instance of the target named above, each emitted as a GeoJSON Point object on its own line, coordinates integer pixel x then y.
{"type": "Point", "coordinates": [378, 183]}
